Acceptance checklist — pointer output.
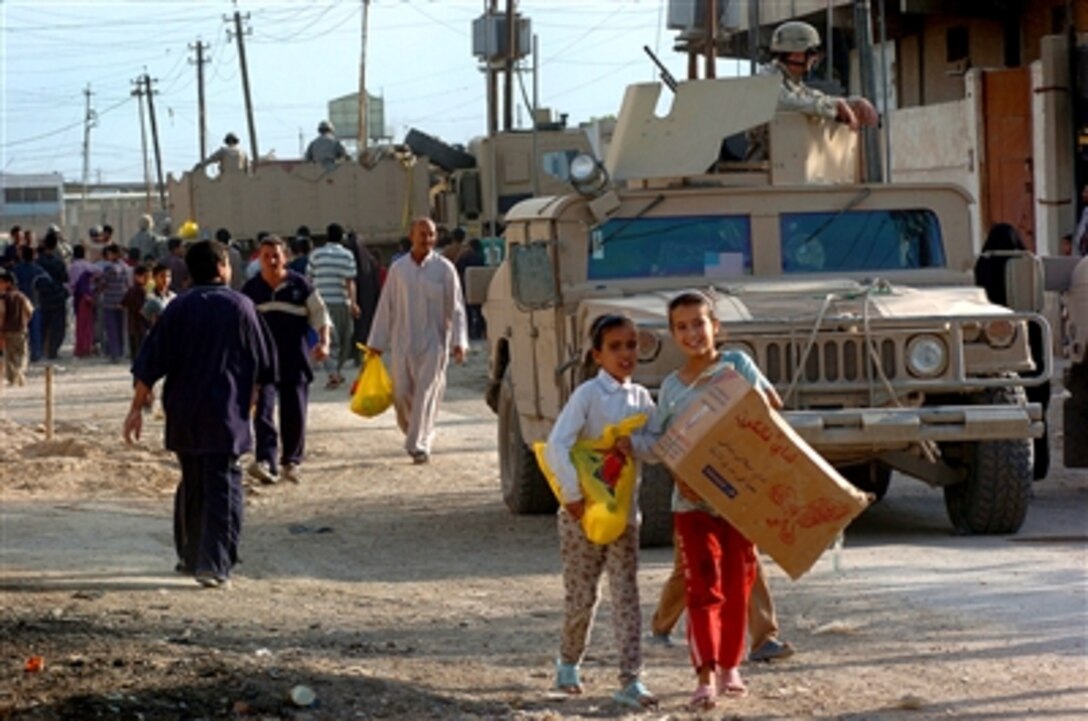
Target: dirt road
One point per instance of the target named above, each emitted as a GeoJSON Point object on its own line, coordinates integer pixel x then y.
{"type": "Point", "coordinates": [408, 592]}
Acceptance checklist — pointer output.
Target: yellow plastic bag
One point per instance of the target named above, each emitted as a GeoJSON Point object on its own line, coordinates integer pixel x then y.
{"type": "Point", "coordinates": [608, 490]}
{"type": "Point", "coordinates": [372, 392]}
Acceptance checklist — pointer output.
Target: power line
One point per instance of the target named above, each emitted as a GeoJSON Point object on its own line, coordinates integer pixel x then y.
{"type": "Point", "coordinates": [51, 133]}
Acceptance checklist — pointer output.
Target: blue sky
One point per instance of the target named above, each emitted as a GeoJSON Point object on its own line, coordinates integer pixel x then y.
{"type": "Point", "coordinates": [301, 53]}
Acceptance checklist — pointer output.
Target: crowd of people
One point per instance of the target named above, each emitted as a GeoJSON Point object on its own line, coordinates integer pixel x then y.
{"type": "Point", "coordinates": [88, 292]}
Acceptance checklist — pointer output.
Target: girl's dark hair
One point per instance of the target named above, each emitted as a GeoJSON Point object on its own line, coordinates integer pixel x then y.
{"type": "Point", "coordinates": [688, 298]}
{"type": "Point", "coordinates": [604, 323]}
{"type": "Point", "coordinates": [1003, 236]}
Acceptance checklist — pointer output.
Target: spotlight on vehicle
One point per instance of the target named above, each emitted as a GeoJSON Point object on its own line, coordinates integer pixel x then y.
{"type": "Point", "coordinates": [588, 176]}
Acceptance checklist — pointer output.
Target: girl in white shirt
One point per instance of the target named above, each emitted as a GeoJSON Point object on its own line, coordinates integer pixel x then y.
{"type": "Point", "coordinates": [606, 399]}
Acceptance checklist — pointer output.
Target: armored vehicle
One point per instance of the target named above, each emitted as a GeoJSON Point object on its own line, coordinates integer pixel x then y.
{"type": "Point", "coordinates": [377, 199]}
{"type": "Point", "coordinates": [856, 300]}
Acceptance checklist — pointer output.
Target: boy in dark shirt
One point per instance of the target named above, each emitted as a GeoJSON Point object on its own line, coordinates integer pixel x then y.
{"type": "Point", "coordinates": [133, 302]}
{"type": "Point", "coordinates": [15, 311]}
{"type": "Point", "coordinates": [207, 396]}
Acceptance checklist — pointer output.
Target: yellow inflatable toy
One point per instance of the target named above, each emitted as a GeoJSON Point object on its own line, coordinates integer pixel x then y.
{"type": "Point", "coordinates": [607, 480]}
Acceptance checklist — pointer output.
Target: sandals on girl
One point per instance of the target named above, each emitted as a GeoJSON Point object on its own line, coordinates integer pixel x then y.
{"type": "Point", "coordinates": [635, 695]}
{"type": "Point", "coordinates": [566, 678]}
{"type": "Point", "coordinates": [704, 698]}
{"type": "Point", "coordinates": [734, 690]}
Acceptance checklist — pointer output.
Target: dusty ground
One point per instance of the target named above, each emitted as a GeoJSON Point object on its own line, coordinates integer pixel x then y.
{"type": "Point", "coordinates": [402, 592]}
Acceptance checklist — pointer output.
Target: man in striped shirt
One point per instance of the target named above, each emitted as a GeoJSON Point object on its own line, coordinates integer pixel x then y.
{"type": "Point", "coordinates": [332, 270]}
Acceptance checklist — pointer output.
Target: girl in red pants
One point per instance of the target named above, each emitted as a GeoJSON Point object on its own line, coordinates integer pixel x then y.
{"type": "Point", "coordinates": [720, 563]}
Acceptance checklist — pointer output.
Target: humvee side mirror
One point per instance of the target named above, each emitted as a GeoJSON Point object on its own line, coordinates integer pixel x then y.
{"type": "Point", "coordinates": [1024, 283]}
{"type": "Point", "coordinates": [532, 276]}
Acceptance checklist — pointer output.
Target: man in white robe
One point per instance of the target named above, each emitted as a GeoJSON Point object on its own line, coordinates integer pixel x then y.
{"type": "Point", "coordinates": [420, 318]}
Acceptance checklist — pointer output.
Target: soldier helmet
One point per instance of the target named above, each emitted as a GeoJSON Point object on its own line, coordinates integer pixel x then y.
{"type": "Point", "coordinates": [230, 139]}
{"type": "Point", "coordinates": [794, 37]}
{"type": "Point", "coordinates": [324, 127]}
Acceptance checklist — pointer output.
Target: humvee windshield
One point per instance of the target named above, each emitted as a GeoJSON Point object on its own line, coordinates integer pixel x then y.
{"type": "Point", "coordinates": [713, 246]}
{"type": "Point", "coordinates": [860, 240]}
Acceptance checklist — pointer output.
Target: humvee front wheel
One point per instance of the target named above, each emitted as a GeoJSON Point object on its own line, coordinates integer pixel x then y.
{"type": "Point", "coordinates": [524, 490]}
{"type": "Point", "coordinates": [994, 495]}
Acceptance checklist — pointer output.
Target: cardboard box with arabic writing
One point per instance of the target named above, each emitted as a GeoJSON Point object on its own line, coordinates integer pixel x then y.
{"type": "Point", "coordinates": [750, 466]}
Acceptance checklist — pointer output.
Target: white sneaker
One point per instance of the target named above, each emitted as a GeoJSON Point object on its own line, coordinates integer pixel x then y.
{"type": "Point", "coordinates": [262, 471]}
{"type": "Point", "coordinates": [290, 473]}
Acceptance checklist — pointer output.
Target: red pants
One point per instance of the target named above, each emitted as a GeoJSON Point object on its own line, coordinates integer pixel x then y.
{"type": "Point", "coordinates": [719, 569]}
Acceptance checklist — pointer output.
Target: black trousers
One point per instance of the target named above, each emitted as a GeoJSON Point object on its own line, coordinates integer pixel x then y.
{"type": "Point", "coordinates": [208, 510]}
{"type": "Point", "coordinates": [53, 327]}
{"type": "Point", "coordinates": [291, 439]}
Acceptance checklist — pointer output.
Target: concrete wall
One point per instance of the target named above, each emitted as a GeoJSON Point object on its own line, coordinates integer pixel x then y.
{"type": "Point", "coordinates": [121, 211]}
{"type": "Point", "coordinates": [943, 82]}
{"type": "Point", "coordinates": [1055, 197]}
{"type": "Point", "coordinates": [939, 143]}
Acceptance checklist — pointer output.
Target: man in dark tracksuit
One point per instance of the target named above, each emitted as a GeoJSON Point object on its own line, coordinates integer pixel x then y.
{"type": "Point", "coordinates": [291, 308]}
{"type": "Point", "coordinates": [214, 350]}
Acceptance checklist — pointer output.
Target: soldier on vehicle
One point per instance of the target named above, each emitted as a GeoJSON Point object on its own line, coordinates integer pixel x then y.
{"type": "Point", "coordinates": [326, 149]}
{"type": "Point", "coordinates": [146, 241]}
{"type": "Point", "coordinates": [230, 157]}
{"type": "Point", "coordinates": [795, 46]}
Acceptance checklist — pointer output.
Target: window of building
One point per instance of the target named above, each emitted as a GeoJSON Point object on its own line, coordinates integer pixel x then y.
{"type": "Point", "coordinates": [957, 48]}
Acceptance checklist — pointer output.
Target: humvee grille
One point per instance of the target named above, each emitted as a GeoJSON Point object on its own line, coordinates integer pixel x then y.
{"type": "Point", "coordinates": [829, 360]}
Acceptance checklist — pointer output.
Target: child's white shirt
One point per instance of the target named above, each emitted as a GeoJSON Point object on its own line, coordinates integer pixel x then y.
{"type": "Point", "coordinates": [599, 402]}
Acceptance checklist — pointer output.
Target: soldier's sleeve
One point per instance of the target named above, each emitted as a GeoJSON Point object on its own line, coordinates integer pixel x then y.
{"type": "Point", "coordinates": [808, 101]}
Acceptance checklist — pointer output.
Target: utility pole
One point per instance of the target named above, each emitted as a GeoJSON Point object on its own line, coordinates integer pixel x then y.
{"type": "Point", "coordinates": [90, 119]}
{"type": "Point", "coordinates": [508, 77]}
{"type": "Point", "coordinates": [155, 139]}
{"type": "Point", "coordinates": [711, 39]}
{"type": "Point", "coordinates": [240, 36]}
{"type": "Point", "coordinates": [202, 125]}
{"type": "Point", "coordinates": [492, 77]}
{"type": "Point", "coordinates": [864, 36]}
{"type": "Point", "coordinates": [492, 199]}
{"type": "Point", "coordinates": [362, 141]}
{"type": "Point", "coordinates": [753, 36]}
{"type": "Point", "coordinates": [138, 93]}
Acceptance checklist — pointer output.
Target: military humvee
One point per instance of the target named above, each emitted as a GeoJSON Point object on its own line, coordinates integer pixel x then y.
{"type": "Point", "coordinates": [856, 300]}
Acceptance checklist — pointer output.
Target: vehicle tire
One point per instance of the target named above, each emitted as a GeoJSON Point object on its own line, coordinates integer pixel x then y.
{"type": "Point", "coordinates": [655, 502]}
{"type": "Point", "coordinates": [873, 477]}
{"type": "Point", "coordinates": [524, 490]}
{"type": "Point", "coordinates": [994, 496]}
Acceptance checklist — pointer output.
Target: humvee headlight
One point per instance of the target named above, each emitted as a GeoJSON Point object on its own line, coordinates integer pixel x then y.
{"type": "Point", "coordinates": [1000, 333]}
{"type": "Point", "coordinates": [926, 356]}
{"type": "Point", "coordinates": [649, 346]}
{"type": "Point", "coordinates": [587, 175]}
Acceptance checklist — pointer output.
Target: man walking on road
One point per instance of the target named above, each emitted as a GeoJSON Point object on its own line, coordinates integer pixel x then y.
{"type": "Point", "coordinates": [290, 306]}
{"type": "Point", "coordinates": [332, 270]}
{"type": "Point", "coordinates": [213, 350]}
{"type": "Point", "coordinates": [420, 317]}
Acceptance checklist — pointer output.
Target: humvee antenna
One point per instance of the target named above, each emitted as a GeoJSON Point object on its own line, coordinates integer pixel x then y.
{"type": "Point", "coordinates": [666, 76]}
